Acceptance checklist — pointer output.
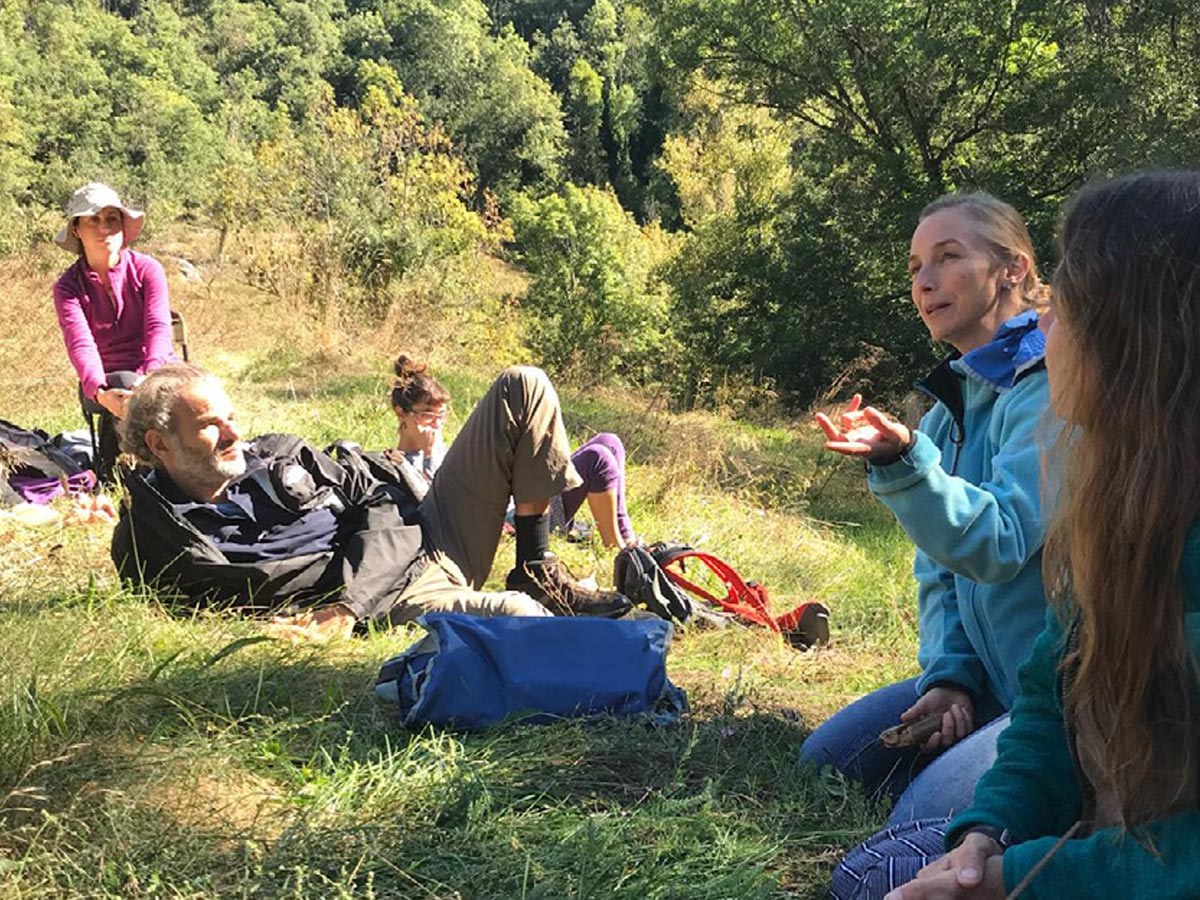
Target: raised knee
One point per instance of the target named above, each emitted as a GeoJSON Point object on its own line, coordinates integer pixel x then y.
{"type": "Point", "coordinates": [607, 468]}
{"type": "Point", "coordinates": [611, 440]}
{"type": "Point", "coordinates": [824, 747]}
{"type": "Point", "coordinates": [524, 375]}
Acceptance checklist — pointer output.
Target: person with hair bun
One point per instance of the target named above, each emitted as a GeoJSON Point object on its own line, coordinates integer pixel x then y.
{"type": "Point", "coordinates": [965, 486]}
{"type": "Point", "coordinates": [113, 308]}
{"type": "Point", "coordinates": [1096, 788]}
{"type": "Point", "coordinates": [421, 406]}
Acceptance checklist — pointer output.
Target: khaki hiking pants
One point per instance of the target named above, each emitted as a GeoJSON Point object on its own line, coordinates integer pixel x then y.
{"type": "Point", "coordinates": [514, 444]}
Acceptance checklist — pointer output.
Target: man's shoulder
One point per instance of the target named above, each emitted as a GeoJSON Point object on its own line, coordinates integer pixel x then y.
{"type": "Point", "coordinates": [277, 445]}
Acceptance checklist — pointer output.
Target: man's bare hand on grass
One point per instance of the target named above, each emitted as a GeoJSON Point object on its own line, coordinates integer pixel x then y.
{"type": "Point", "coordinates": [325, 624]}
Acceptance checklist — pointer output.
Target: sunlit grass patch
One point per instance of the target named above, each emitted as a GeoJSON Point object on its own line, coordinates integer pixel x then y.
{"type": "Point", "coordinates": [152, 752]}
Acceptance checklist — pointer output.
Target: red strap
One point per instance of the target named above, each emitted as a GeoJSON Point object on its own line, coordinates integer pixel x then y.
{"type": "Point", "coordinates": [746, 601]}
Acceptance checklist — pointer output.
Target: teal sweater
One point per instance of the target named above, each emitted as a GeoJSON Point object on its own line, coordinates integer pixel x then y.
{"type": "Point", "coordinates": [968, 495]}
{"type": "Point", "coordinates": [1034, 792]}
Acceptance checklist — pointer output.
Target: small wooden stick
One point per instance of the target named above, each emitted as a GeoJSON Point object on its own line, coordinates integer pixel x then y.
{"type": "Point", "coordinates": [912, 734]}
{"type": "Point", "coordinates": [1041, 863]}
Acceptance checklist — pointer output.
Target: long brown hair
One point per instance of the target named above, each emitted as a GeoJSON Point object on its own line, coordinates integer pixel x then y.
{"type": "Point", "coordinates": [1128, 295]}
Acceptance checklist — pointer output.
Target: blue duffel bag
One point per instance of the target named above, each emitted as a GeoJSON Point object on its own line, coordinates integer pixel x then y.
{"type": "Point", "coordinates": [471, 673]}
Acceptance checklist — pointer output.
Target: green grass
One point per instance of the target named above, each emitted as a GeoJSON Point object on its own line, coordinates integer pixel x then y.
{"type": "Point", "coordinates": [147, 754]}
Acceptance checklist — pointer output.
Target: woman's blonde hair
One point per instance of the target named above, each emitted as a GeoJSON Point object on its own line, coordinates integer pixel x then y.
{"type": "Point", "coordinates": [1001, 228]}
{"type": "Point", "coordinates": [1127, 293]}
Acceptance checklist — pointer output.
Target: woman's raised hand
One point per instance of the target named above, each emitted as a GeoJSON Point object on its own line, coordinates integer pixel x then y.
{"type": "Point", "coordinates": [864, 432]}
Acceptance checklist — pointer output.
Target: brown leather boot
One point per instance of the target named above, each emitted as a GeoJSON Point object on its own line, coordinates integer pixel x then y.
{"type": "Point", "coordinates": [550, 583]}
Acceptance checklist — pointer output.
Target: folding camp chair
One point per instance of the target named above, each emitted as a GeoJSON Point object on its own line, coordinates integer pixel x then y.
{"type": "Point", "coordinates": [179, 334]}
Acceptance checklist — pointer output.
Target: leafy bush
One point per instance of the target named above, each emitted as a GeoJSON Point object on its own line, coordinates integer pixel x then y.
{"type": "Point", "coordinates": [369, 194]}
{"type": "Point", "coordinates": [595, 306]}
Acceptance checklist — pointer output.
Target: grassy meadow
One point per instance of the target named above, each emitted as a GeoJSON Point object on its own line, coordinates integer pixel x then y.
{"type": "Point", "coordinates": [148, 754]}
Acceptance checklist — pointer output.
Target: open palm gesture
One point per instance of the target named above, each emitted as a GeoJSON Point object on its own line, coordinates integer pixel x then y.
{"type": "Point", "coordinates": [864, 432]}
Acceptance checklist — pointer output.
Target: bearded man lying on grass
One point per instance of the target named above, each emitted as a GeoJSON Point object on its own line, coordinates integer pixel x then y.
{"type": "Point", "coordinates": [274, 526]}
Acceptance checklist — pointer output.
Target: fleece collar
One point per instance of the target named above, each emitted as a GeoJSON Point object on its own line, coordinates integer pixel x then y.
{"type": "Point", "coordinates": [1017, 347]}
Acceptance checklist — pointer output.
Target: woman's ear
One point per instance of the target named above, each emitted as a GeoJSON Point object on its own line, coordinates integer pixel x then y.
{"type": "Point", "coordinates": [1017, 268]}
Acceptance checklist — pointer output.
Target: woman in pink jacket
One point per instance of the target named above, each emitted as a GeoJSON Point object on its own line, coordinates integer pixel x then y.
{"type": "Point", "coordinates": [112, 306]}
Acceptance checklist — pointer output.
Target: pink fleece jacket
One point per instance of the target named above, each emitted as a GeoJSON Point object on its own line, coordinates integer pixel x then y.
{"type": "Point", "coordinates": [131, 332]}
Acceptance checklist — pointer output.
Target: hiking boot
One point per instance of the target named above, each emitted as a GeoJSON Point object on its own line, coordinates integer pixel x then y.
{"type": "Point", "coordinates": [549, 582]}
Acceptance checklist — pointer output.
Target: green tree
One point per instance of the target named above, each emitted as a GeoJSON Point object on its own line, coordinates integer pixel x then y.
{"type": "Point", "coordinates": [894, 103]}
{"type": "Point", "coordinates": [368, 195]}
{"type": "Point", "coordinates": [99, 97]}
{"type": "Point", "coordinates": [585, 116]}
{"type": "Point", "coordinates": [505, 119]}
{"type": "Point", "coordinates": [614, 39]}
{"type": "Point", "coordinates": [594, 305]}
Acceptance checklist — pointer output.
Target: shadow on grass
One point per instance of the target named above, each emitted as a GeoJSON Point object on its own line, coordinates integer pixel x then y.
{"type": "Point", "coordinates": [274, 774]}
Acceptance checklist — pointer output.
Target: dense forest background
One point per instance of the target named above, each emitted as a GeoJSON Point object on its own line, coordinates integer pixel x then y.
{"type": "Point", "coordinates": [704, 193]}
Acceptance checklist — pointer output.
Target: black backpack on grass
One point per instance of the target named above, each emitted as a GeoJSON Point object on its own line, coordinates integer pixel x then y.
{"type": "Point", "coordinates": [31, 453]}
{"type": "Point", "coordinates": [744, 602]}
{"type": "Point", "coordinates": [638, 576]}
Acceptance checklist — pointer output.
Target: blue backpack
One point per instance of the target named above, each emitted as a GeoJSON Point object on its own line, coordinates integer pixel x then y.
{"type": "Point", "coordinates": [471, 673]}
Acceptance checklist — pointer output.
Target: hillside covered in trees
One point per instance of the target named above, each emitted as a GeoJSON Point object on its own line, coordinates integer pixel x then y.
{"type": "Point", "coordinates": [703, 192]}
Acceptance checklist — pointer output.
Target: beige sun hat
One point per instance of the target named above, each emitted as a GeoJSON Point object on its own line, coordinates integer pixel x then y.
{"type": "Point", "coordinates": [89, 200]}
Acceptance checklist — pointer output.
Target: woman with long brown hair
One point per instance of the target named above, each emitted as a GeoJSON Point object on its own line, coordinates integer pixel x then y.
{"type": "Point", "coordinates": [1098, 776]}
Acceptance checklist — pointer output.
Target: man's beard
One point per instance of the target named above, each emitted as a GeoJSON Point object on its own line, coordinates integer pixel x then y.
{"type": "Point", "coordinates": [208, 470]}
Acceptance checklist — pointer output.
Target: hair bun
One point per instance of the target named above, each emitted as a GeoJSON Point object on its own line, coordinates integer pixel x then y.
{"type": "Point", "coordinates": [414, 384]}
{"type": "Point", "coordinates": [406, 367]}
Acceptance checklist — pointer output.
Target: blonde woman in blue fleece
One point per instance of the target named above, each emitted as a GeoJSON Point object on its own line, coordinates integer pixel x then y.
{"type": "Point", "coordinates": [965, 487]}
{"type": "Point", "coordinates": [1096, 789]}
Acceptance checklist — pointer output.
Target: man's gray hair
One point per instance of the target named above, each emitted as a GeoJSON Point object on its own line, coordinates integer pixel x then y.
{"type": "Point", "coordinates": [152, 405]}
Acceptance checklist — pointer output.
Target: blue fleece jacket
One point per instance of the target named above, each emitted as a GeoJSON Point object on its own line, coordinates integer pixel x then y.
{"type": "Point", "coordinates": [967, 493]}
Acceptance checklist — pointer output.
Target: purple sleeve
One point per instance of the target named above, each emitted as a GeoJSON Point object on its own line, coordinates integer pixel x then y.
{"type": "Point", "coordinates": [77, 332]}
{"type": "Point", "coordinates": [158, 349]}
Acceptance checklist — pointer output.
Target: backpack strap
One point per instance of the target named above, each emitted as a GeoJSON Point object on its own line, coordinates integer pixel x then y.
{"type": "Point", "coordinates": [747, 600]}
{"type": "Point", "coordinates": [665, 551]}
{"type": "Point", "coordinates": [802, 627]}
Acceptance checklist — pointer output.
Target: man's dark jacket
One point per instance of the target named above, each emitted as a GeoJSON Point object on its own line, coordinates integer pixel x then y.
{"type": "Point", "coordinates": [378, 551]}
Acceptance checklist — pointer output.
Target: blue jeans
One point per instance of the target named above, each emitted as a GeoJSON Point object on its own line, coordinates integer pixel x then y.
{"type": "Point", "coordinates": [923, 785]}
